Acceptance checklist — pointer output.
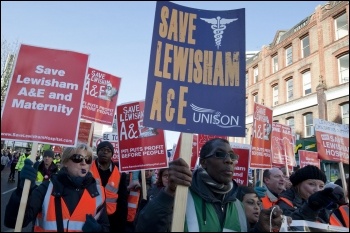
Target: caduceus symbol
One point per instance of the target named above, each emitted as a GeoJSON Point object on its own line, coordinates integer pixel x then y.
{"type": "Point", "coordinates": [218, 25]}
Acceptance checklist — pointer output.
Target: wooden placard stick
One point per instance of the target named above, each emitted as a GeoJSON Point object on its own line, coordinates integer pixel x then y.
{"type": "Point", "coordinates": [25, 193]}
{"type": "Point", "coordinates": [143, 184]}
{"type": "Point", "coordinates": [182, 191]}
{"type": "Point", "coordinates": [343, 180]}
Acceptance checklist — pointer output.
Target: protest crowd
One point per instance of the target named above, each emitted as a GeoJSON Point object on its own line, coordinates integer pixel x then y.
{"type": "Point", "coordinates": [195, 86]}
{"type": "Point", "coordinates": [92, 195]}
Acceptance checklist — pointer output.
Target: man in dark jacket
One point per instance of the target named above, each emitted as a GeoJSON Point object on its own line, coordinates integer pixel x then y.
{"type": "Point", "coordinates": [211, 203]}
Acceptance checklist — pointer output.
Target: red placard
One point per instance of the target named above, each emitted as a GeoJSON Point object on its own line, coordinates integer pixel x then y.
{"type": "Point", "coordinates": [140, 147]}
{"type": "Point", "coordinates": [240, 174]}
{"type": "Point", "coordinates": [203, 138]}
{"type": "Point", "coordinates": [44, 98]}
{"type": "Point", "coordinates": [260, 156]}
{"type": "Point", "coordinates": [332, 141]}
{"type": "Point", "coordinates": [194, 155]}
{"type": "Point", "coordinates": [308, 158]}
{"type": "Point", "coordinates": [100, 96]}
{"type": "Point", "coordinates": [85, 132]}
{"type": "Point", "coordinates": [282, 145]}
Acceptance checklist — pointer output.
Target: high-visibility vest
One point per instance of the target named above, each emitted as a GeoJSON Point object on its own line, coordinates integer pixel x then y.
{"type": "Point", "coordinates": [344, 211]}
{"type": "Point", "coordinates": [111, 188]}
{"type": "Point", "coordinates": [20, 162]}
{"type": "Point", "coordinates": [133, 202]}
{"type": "Point", "coordinates": [287, 201]}
{"type": "Point", "coordinates": [235, 219]}
{"type": "Point", "coordinates": [268, 200]}
{"type": "Point", "coordinates": [46, 220]}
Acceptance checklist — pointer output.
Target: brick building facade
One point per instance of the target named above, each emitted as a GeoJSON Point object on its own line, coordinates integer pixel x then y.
{"type": "Point", "coordinates": [304, 73]}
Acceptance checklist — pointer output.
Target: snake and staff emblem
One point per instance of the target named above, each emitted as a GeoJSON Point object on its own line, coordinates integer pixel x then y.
{"type": "Point", "coordinates": [218, 25]}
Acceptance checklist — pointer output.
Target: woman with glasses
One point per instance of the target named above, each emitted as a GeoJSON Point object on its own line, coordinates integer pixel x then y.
{"type": "Point", "coordinates": [211, 204]}
{"type": "Point", "coordinates": [71, 201]}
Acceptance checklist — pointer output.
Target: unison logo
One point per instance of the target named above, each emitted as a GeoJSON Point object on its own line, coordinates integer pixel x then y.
{"type": "Point", "coordinates": [210, 116]}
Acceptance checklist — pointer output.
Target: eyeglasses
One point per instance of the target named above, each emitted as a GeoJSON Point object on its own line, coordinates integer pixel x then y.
{"type": "Point", "coordinates": [223, 155]}
{"type": "Point", "coordinates": [78, 158]}
{"type": "Point", "coordinates": [105, 150]}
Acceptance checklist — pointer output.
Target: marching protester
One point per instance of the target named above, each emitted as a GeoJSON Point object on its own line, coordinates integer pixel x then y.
{"type": "Point", "coordinates": [20, 163]}
{"type": "Point", "coordinates": [71, 201]}
{"type": "Point", "coordinates": [46, 168]}
{"type": "Point", "coordinates": [13, 167]}
{"type": "Point", "coordinates": [211, 203]}
{"type": "Point", "coordinates": [57, 160]}
{"type": "Point", "coordinates": [107, 174]}
{"type": "Point", "coordinates": [272, 187]}
{"type": "Point", "coordinates": [5, 159]}
{"type": "Point", "coordinates": [307, 199]}
{"type": "Point", "coordinates": [161, 182]}
{"type": "Point", "coordinates": [252, 204]}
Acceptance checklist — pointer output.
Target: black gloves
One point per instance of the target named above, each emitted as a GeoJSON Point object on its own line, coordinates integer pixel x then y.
{"type": "Point", "coordinates": [28, 172]}
{"type": "Point", "coordinates": [323, 199]}
{"type": "Point", "coordinates": [91, 225]}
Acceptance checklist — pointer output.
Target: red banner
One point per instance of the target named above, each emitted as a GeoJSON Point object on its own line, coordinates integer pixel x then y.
{"type": "Point", "coordinates": [44, 98]}
{"type": "Point", "coordinates": [203, 138]}
{"type": "Point", "coordinates": [308, 158]}
{"type": "Point", "coordinates": [282, 145]}
{"type": "Point", "coordinates": [240, 174]}
{"type": "Point", "coordinates": [100, 97]}
{"type": "Point", "coordinates": [260, 157]}
{"type": "Point", "coordinates": [332, 141]}
{"type": "Point", "coordinates": [140, 147]}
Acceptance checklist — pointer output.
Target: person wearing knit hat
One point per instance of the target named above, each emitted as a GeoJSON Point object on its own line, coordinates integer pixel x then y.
{"type": "Point", "coordinates": [46, 168]}
{"type": "Point", "coordinates": [307, 199]}
{"type": "Point", "coordinates": [104, 144]}
{"type": "Point", "coordinates": [308, 172]}
{"type": "Point", "coordinates": [114, 184]}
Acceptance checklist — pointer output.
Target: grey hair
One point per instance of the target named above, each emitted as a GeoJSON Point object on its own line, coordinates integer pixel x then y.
{"type": "Point", "coordinates": [69, 151]}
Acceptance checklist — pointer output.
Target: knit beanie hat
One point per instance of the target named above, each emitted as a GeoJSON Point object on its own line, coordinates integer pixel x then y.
{"type": "Point", "coordinates": [307, 172]}
{"type": "Point", "coordinates": [48, 153]}
{"type": "Point", "coordinates": [105, 144]}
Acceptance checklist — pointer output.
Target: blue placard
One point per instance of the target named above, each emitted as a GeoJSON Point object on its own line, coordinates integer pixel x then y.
{"type": "Point", "coordinates": [196, 76]}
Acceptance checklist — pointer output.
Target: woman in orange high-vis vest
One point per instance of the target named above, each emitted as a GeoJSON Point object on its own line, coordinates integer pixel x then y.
{"type": "Point", "coordinates": [72, 201]}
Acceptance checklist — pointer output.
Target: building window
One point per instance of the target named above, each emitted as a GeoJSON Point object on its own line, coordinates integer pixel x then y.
{"type": "Point", "coordinates": [307, 83]}
{"type": "Point", "coordinates": [290, 123]}
{"type": "Point", "coordinates": [308, 122]}
{"type": "Point", "coordinates": [289, 55]}
{"type": "Point", "coordinates": [256, 74]}
{"type": "Point", "coordinates": [345, 114]}
{"type": "Point", "coordinates": [341, 26]}
{"type": "Point", "coordinates": [305, 47]}
{"type": "Point", "coordinates": [274, 64]}
{"type": "Point", "coordinates": [275, 95]}
{"type": "Point", "coordinates": [256, 97]}
{"type": "Point", "coordinates": [246, 79]}
{"type": "Point", "coordinates": [289, 89]}
{"type": "Point", "coordinates": [343, 66]}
